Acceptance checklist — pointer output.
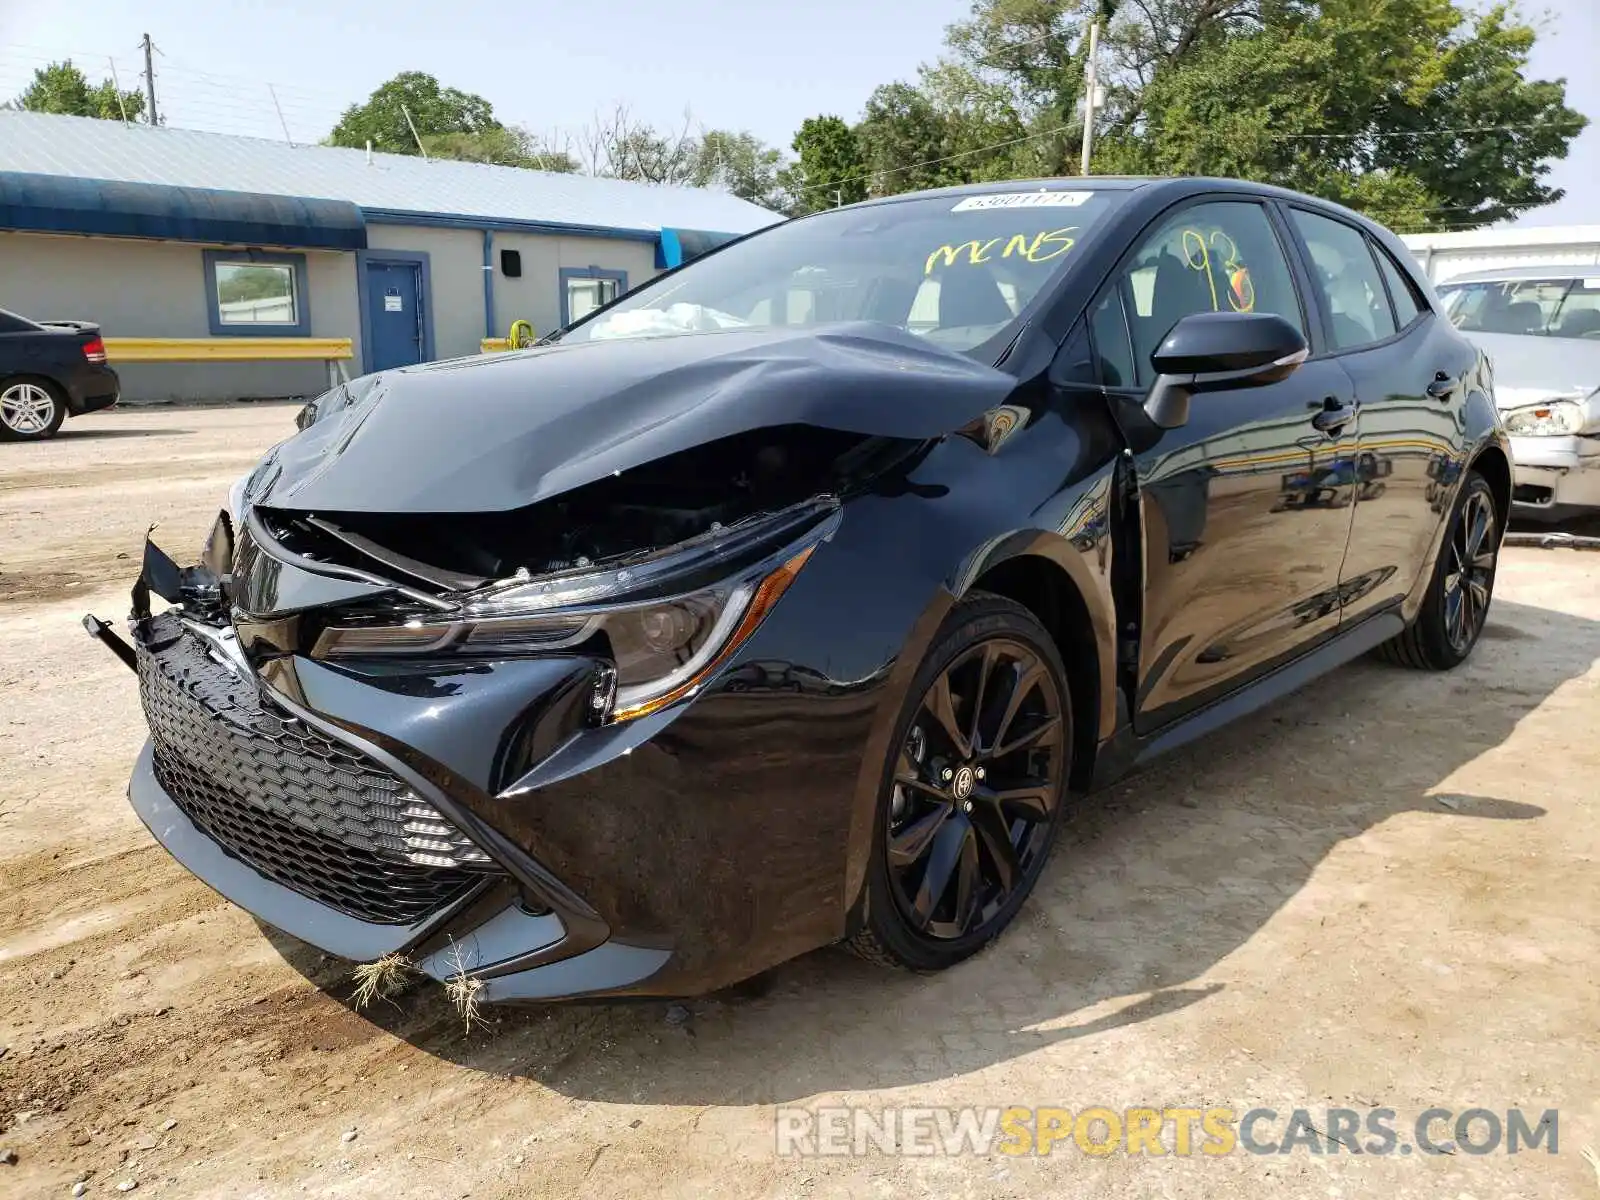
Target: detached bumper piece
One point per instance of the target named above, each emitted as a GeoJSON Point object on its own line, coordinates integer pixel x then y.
{"type": "Point", "coordinates": [299, 808]}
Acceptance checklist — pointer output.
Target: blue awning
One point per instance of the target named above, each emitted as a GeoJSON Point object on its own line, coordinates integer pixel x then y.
{"type": "Point", "coordinates": [60, 204]}
{"type": "Point", "coordinates": [678, 246]}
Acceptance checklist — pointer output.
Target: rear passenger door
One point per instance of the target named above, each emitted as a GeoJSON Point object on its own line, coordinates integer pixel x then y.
{"type": "Point", "coordinates": [1244, 530]}
{"type": "Point", "coordinates": [1409, 370]}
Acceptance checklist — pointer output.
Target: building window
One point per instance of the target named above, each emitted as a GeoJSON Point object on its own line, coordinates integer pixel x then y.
{"type": "Point", "coordinates": [256, 293]}
{"type": "Point", "coordinates": [584, 289]}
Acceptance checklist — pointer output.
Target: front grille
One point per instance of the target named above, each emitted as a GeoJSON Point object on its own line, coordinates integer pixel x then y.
{"type": "Point", "coordinates": [303, 810]}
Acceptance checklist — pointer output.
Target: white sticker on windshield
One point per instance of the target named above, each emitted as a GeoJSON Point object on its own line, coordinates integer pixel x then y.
{"type": "Point", "coordinates": [1591, 283]}
{"type": "Point", "coordinates": [1023, 200]}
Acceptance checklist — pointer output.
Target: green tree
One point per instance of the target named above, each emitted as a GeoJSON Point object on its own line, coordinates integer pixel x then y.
{"type": "Point", "coordinates": [1415, 111]}
{"type": "Point", "coordinates": [830, 170]}
{"type": "Point", "coordinates": [433, 109]}
{"type": "Point", "coordinates": [1032, 54]}
{"type": "Point", "coordinates": [63, 88]}
{"type": "Point", "coordinates": [902, 136]}
{"type": "Point", "coordinates": [1418, 112]}
{"type": "Point", "coordinates": [740, 163]}
{"type": "Point", "coordinates": [502, 145]}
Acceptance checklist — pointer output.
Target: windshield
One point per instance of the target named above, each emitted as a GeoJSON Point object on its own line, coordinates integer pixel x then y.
{"type": "Point", "coordinates": [1561, 308]}
{"type": "Point", "coordinates": [956, 270]}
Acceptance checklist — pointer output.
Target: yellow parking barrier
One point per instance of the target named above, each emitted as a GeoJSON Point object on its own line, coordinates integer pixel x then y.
{"type": "Point", "coordinates": [520, 336]}
{"type": "Point", "coordinates": [333, 351]}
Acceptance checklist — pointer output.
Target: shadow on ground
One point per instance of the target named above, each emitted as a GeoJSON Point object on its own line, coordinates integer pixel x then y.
{"type": "Point", "coordinates": [85, 433]}
{"type": "Point", "coordinates": [1153, 883]}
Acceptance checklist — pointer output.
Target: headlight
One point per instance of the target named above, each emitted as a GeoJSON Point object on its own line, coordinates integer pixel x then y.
{"type": "Point", "coordinates": [1554, 419]}
{"type": "Point", "coordinates": [665, 622]}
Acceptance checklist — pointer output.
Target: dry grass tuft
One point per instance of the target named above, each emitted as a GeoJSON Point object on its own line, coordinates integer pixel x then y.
{"type": "Point", "coordinates": [382, 979]}
{"type": "Point", "coordinates": [463, 990]}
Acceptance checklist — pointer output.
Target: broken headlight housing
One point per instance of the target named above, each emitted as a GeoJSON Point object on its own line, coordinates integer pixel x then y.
{"type": "Point", "coordinates": [664, 620]}
{"type": "Point", "coordinates": [1558, 417]}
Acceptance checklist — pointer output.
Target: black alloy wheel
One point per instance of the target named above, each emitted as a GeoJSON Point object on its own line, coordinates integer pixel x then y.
{"type": "Point", "coordinates": [1469, 573]}
{"type": "Point", "coordinates": [1456, 606]}
{"type": "Point", "coordinates": [975, 790]}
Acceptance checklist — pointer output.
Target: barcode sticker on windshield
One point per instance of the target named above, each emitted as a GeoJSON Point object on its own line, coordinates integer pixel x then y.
{"type": "Point", "coordinates": [1023, 200]}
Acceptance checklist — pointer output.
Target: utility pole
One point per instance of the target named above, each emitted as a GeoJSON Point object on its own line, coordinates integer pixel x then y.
{"type": "Point", "coordinates": [1089, 95]}
{"type": "Point", "coordinates": [271, 91]}
{"type": "Point", "coordinates": [150, 78]}
{"type": "Point", "coordinates": [116, 85]}
{"type": "Point", "coordinates": [412, 125]}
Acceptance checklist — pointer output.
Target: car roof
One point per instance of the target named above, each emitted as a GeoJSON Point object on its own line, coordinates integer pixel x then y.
{"type": "Point", "coordinates": [1510, 274]}
{"type": "Point", "coordinates": [1170, 187]}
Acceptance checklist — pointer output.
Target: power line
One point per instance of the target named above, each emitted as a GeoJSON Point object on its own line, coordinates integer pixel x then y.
{"type": "Point", "coordinates": [936, 161]}
{"type": "Point", "coordinates": [1396, 133]}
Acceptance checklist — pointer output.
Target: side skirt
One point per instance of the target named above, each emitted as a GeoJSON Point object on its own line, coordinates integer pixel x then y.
{"type": "Point", "coordinates": [1126, 750]}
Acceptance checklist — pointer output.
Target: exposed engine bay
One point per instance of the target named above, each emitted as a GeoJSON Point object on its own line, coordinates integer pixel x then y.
{"type": "Point", "coordinates": [648, 508]}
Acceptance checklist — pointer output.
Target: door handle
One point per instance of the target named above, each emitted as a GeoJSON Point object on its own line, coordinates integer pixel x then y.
{"type": "Point", "coordinates": [1442, 387]}
{"type": "Point", "coordinates": [1334, 416]}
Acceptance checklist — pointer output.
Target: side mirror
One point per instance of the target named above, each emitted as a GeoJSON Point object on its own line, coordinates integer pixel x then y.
{"type": "Point", "coordinates": [1207, 352]}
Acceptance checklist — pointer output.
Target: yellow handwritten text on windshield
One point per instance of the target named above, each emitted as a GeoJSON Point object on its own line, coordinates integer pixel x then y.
{"type": "Point", "coordinates": [1198, 256]}
{"type": "Point", "coordinates": [1041, 247]}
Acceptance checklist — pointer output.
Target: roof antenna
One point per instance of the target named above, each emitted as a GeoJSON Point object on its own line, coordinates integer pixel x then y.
{"type": "Point", "coordinates": [421, 149]}
{"type": "Point", "coordinates": [284, 124]}
{"type": "Point", "coordinates": [117, 84]}
{"type": "Point", "coordinates": [369, 152]}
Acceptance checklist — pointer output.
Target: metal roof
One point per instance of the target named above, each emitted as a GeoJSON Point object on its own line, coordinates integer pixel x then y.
{"type": "Point", "coordinates": [86, 148]}
{"type": "Point", "coordinates": [1512, 273]}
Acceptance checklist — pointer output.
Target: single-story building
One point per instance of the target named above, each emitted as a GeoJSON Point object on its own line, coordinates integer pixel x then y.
{"type": "Point", "coordinates": [1445, 255]}
{"type": "Point", "coordinates": [174, 233]}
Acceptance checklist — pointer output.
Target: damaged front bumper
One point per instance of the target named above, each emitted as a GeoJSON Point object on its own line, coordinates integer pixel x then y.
{"type": "Point", "coordinates": [470, 814]}
{"type": "Point", "coordinates": [326, 837]}
{"type": "Point", "coordinates": [1557, 478]}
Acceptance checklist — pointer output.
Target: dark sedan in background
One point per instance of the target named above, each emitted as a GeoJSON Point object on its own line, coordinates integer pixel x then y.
{"type": "Point", "coordinates": [793, 597]}
{"type": "Point", "coordinates": [48, 371]}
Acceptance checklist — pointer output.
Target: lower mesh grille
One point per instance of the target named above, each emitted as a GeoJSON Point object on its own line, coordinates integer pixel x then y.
{"type": "Point", "coordinates": [303, 810]}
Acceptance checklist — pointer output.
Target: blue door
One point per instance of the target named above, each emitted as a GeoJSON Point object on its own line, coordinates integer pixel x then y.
{"type": "Point", "coordinates": [395, 314]}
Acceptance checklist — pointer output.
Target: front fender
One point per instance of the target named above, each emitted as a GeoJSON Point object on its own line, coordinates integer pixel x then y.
{"type": "Point", "coordinates": [995, 510]}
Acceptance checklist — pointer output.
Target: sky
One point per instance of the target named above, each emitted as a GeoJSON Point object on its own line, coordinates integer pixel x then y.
{"type": "Point", "coordinates": [233, 66]}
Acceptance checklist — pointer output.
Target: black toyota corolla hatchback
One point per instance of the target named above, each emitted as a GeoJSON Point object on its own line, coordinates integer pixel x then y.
{"type": "Point", "coordinates": [794, 596]}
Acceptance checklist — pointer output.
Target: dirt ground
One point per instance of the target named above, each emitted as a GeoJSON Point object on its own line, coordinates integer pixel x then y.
{"type": "Point", "coordinates": [1382, 893]}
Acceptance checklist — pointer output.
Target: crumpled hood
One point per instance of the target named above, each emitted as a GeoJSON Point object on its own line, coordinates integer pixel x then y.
{"type": "Point", "coordinates": [501, 431]}
{"type": "Point", "coordinates": [1529, 368]}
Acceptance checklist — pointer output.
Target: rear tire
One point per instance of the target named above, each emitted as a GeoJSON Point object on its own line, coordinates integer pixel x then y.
{"type": "Point", "coordinates": [31, 409]}
{"type": "Point", "coordinates": [1456, 606]}
{"type": "Point", "coordinates": [970, 801]}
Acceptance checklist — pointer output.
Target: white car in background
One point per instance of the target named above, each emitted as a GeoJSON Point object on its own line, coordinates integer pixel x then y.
{"type": "Point", "coordinates": [1540, 327]}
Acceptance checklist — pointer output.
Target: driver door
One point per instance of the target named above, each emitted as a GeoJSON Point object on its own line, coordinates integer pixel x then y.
{"type": "Point", "coordinates": [1245, 510]}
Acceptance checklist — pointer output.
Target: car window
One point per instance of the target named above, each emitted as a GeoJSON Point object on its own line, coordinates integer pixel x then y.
{"type": "Point", "coordinates": [1346, 279]}
{"type": "Point", "coordinates": [1217, 257]}
{"type": "Point", "coordinates": [1112, 347]}
{"type": "Point", "coordinates": [1579, 314]}
{"type": "Point", "coordinates": [1407, 304]}
{"type": "Point", "coordinates": [1562, 308]}
{"type": "Point", "coordinates": [957, 270]}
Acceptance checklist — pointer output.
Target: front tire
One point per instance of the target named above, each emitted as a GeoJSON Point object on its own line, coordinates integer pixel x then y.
{"type": "Point", "coordinates": [973, 791]}
{"type": "Point", "coordinates": [31, 409]}
{"type": "Point", "coordinates": [1456, 606]}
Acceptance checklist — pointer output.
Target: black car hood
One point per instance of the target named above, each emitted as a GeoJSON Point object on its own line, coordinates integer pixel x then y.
{"type": "Point", "coordinates": [501, 431]}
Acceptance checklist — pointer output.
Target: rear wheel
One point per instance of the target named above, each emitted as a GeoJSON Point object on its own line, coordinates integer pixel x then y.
{"type": "Point", "coordinates": [30, 409]}
{"type": "Point", "coordinates": [1457, 604]}
{"type": "Point", "coordinates": [973, 791]}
